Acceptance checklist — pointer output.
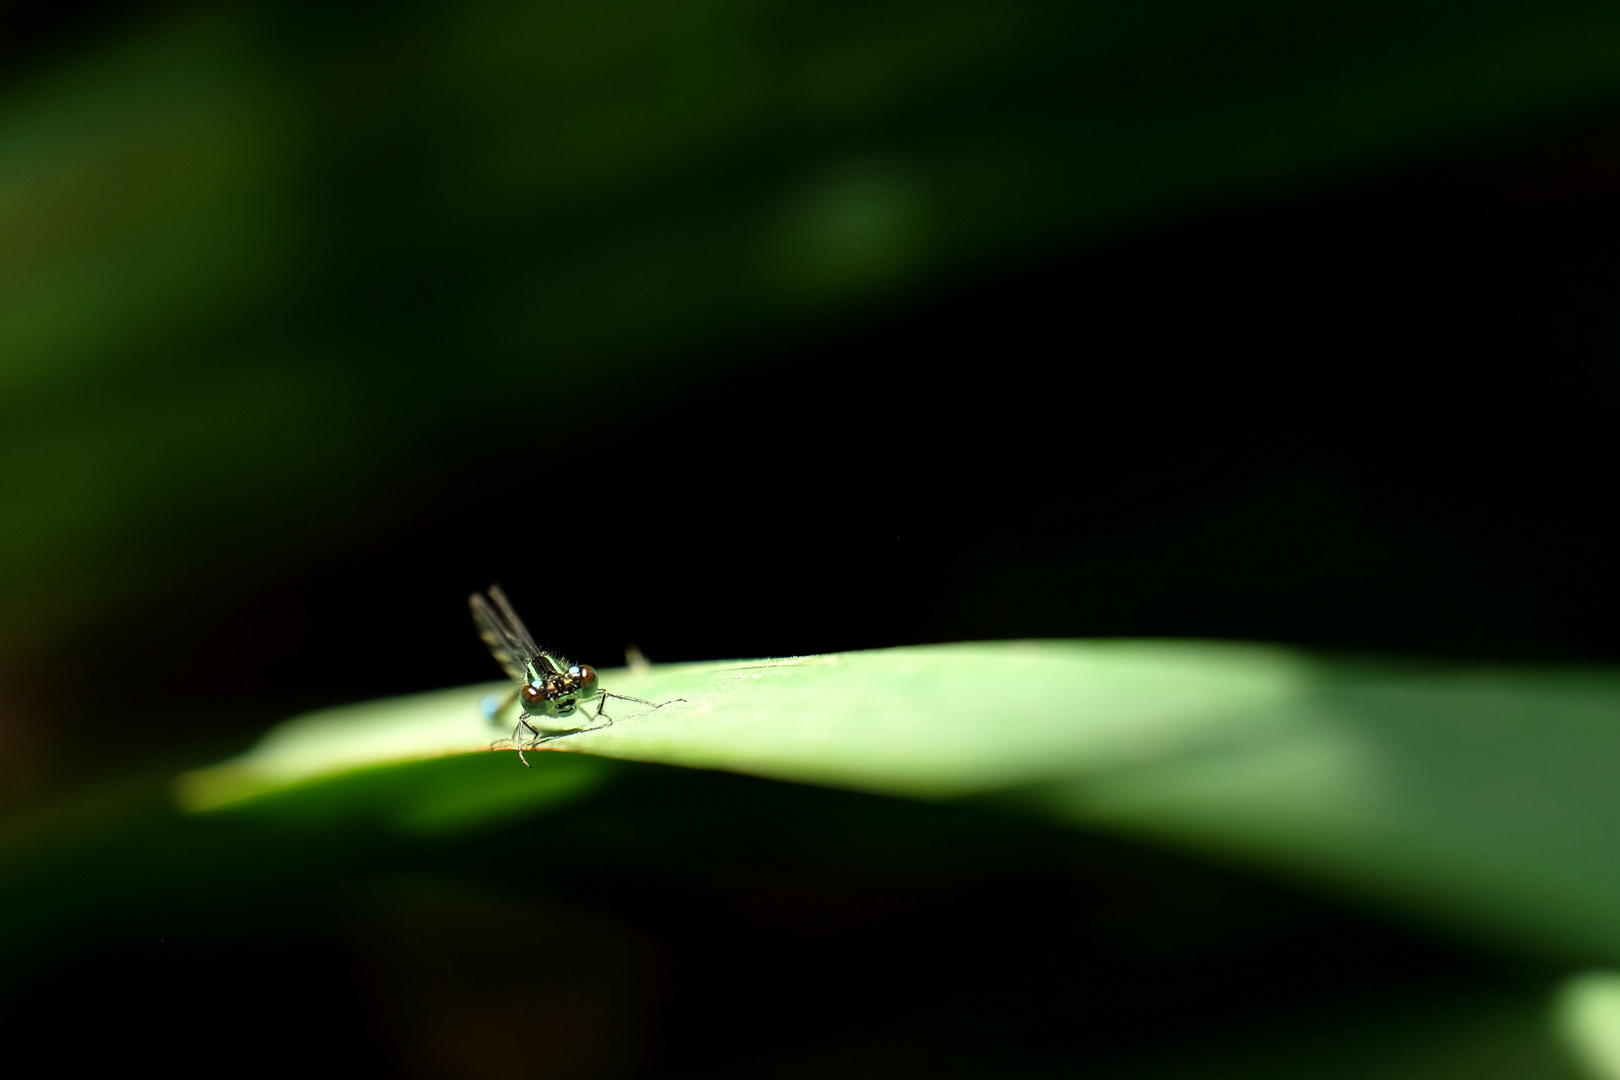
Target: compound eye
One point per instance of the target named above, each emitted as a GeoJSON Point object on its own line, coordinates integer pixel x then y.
{"type": "Point", "coordinates": [531, 695]}
{"type": "Point", "coordinates": [587, 674]}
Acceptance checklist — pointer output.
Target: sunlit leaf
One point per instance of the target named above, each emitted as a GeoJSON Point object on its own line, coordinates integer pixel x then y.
{"type": "Point", "coordinates": [1483, 798]}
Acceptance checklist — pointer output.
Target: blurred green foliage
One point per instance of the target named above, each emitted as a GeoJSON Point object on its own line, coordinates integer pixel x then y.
{"type": "Point", "coordinates": [261, 265]}
{"type": "Point", "coordinates": [1476, 802]}
{"type": "Point", "coordinates": [257, 263]}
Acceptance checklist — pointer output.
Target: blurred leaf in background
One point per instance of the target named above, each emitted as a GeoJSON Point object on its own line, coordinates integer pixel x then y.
{"type": "Point", "coordinates": [777, 328]}
{"type": "Point", "coordinates": [291, 292]}
{"type": "Point", "coordinates": [633, 917]}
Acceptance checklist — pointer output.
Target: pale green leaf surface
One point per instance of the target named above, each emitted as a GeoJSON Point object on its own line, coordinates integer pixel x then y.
{"type": "Point", "coordinates": [1481, 798]}
{"type": "Point", "coordinates": [1588, 1019]}
{"type": "Point", "coordinates": [930, 721]}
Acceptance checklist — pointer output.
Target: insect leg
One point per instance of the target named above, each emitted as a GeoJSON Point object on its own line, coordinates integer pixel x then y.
{"type": "Point", "coordinates": [643, 701]}
{"type": "Point", "coordinates": [523, 744]}
{"type": "Point", "coordinates": [599, 715]}
{"type": "Point", "coordinates": [596, 723]}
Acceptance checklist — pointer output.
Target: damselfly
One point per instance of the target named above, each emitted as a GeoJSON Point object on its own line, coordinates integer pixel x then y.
{"type": "Point", "coordinates": [547, 684]}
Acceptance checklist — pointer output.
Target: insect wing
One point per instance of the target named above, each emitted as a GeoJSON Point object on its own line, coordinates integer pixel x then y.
{"type": "Point", "coordinates": [511, 645]}
{"type": "Point", "coordinates": [549, 663]}
{"type": "Point", "coordinates": [514, 625]}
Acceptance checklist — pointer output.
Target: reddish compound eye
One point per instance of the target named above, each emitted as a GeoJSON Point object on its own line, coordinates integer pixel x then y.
{"type": "Point", "coordinates": [531, 695]}
{"type": "Point", "coordinates": [587, 674]}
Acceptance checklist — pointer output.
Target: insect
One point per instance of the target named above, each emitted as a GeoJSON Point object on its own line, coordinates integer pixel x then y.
{"type": "Point", "coordinates": [547, 684]}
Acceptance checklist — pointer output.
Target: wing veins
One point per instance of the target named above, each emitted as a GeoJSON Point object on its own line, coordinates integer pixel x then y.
{"type": "Point", "coordinates": [508, 639]}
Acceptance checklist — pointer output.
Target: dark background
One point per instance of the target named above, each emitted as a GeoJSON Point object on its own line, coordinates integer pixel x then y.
{"type": "Point", "coordinates": [685, 923]}
{"type": "Point", "coordinates": [1372, 416]}
{"type": "Point", "coordinates": [1360, 397]}
{"type": "Point", "coordinates": [1183, 357]}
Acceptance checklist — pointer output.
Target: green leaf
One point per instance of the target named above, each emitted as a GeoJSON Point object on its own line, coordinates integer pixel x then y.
{"type": "Point", "coordinates": [1480, 798]}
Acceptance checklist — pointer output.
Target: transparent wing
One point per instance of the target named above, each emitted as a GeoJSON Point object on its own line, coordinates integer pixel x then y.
{"type": "Point", "coordinates": [508, 639]}
{"type": "Point", "coordinates": [519, 632]}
